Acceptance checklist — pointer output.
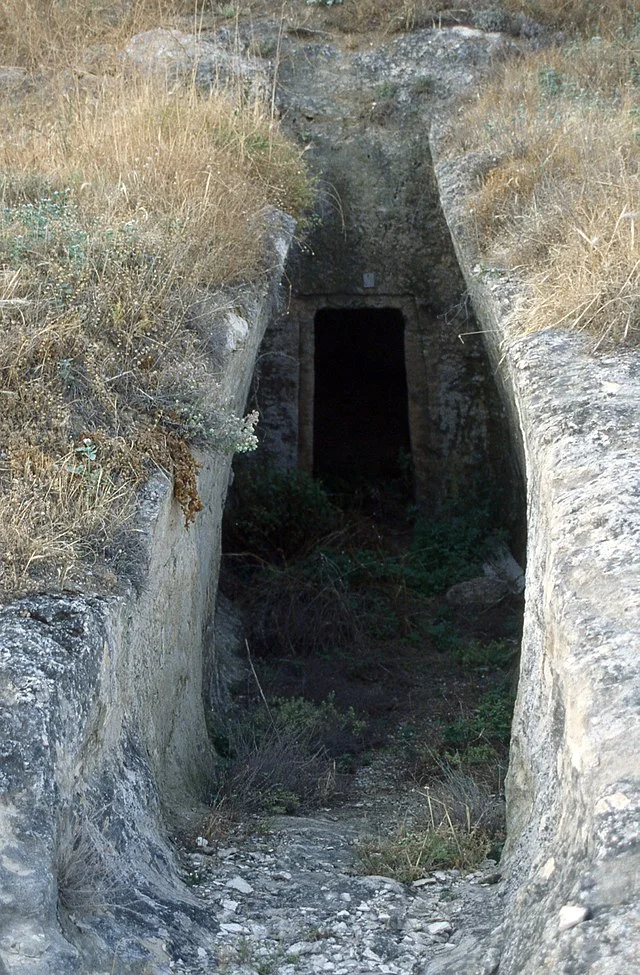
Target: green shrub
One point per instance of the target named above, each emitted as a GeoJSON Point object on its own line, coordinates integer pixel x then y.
{"type": "Point", "coordinates": [278, 515]}
{"type": "Point", "coordinates": [302, 609]}
{"type": "Point", "coordinates": [282, 754]}
{"type": "Point", "coordinates": [447, 549]}
{"type": "Point", "coordinates": [483, 655]}
{"type": "Point", "coordinates": [490, 724]}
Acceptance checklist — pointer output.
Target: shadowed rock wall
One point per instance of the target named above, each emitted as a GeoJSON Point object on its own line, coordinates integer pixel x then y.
{"type": "Point", "coordinates": [382, 242]}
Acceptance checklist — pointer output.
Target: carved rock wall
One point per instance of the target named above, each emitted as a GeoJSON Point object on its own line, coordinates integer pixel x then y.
{"type": "Point", "coordinates": [573, 852]}
{"type": "Point", "coordinates": [382, 242]}
{"type": "Point", "coordinates": [103, 732]}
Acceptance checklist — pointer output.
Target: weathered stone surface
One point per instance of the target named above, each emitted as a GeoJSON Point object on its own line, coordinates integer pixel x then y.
{"type": "Point", "coordinates": [294, 902]}
{"type": "Point", "coordinates": [574, 778]}
{"type": "Point", "coordinates": [104, 741]}
{"type": "Point", "coordinates": [382, 242]}
{"type": "Point", "coordinates": [178, 55]}
{"type": "Point", "coordinates": [15, 81]}
{"type": "Point", "coordinates": [480, 593]}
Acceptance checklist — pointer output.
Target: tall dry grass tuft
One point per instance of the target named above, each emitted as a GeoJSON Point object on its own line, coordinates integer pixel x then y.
{"type": "Point", "coordinates": [559, 199]}
{"type": "Point", "coordinates": [139, 155]}
{"type": "Point", "coordinates": [40, 34]}
{"type": "Point", "coordinates": [119, 203]}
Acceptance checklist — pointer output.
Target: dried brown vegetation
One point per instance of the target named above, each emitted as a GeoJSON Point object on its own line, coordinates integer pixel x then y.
{"type": "Point", "coordinates": [559, 197]}
{"type": "Point", "coordinates": [58, 33]}
{"type": "Point", "coordinates": [358, 17]}
{"type": "Point", "coordinates": [586, 16]}
{"type": "Point", "coordinates": [119, 203]}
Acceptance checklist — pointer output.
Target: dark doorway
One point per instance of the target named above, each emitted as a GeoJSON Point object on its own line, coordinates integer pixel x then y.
{"type": "Point", "coordinates": [361, 423]}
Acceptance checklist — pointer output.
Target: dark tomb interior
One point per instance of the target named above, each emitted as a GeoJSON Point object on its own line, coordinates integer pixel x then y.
{"type": "Point", "coordinates": [361, 423]}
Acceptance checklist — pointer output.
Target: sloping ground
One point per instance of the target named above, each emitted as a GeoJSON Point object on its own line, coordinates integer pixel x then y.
{"type": "Point", "coordinates": [294, 900]}
{"type": "Point", "coordinates": [573, 787]}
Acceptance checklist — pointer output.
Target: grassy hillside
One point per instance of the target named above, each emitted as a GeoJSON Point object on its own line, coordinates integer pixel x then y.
{"type": "Point", "coordinates": [557, 199]}
{"type": "Point", "coordinates": [121, 198]}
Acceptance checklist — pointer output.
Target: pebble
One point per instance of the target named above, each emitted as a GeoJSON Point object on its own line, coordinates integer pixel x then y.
{"type": "Point", "coordinates": [237, 883]}
{"type": "Point", "coordinates": [570, 915]}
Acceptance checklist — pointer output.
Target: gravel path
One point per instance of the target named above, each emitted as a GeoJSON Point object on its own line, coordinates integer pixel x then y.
{"type": "Point", "coordinates": [292, 902]}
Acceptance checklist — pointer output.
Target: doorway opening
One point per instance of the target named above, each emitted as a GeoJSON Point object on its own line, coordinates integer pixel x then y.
{"type": "Point", "coordinates": [360, 414]}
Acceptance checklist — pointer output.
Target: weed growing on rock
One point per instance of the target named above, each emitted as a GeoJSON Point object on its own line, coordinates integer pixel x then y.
{"type": "Point", "coordinates": [84, 867]}
{"type": "Point", "coordinates": [439, 842]}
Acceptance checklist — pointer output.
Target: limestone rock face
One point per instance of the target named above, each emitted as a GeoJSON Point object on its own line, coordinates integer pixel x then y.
{"type": "Point", "coordinates": [103, 730]}
{"type": "Point", "coordinates": [382, 243]}
{"type": "Point", "coordinates": [572, 854]}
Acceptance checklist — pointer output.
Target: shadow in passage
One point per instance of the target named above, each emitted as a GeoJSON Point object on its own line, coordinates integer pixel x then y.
{"type": "Point", "coordinates": [361, 424]}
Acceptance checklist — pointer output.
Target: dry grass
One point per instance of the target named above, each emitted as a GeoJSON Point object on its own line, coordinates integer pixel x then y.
{"type": "Point", "coordinates": [55, 33]}
{"type": "Point", "coordinates": [120, 202]}
{"type": "Point", "coordinates": [441, 839]}
{"type": "Point", "coordinates": [358, 17]}
{"type": "Point", "coordinates": [84, 865]}
{"type": "Point", "coordinates": [386, 16]}
{"type": "Point", "coordinates": [586, 16]}
{"type": "Point", "coordinates": [560, 199]}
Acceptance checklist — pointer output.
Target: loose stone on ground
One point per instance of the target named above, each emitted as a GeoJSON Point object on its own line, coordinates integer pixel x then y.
{"type": "Point", "coordinates": [292, 901]}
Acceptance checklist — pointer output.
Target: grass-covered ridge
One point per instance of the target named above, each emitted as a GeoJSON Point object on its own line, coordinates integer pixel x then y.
{"type": "Point", "coordinates": [558, 198]}
{"type": "Point", "coordinates": [122, 199]}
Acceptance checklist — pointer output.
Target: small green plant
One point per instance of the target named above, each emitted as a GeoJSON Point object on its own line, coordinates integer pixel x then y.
{"type": "Point", "coordinates": [447, 549]}
{"type": "Point", "coordinates": [486, 655]}
{"type": "Point", "coordinates": [488, 725]}
{"type": "Point", "coordinates": [444, 635]}
{"type": "Point", "coordinates": [386, 90]}
{"type": "Point", "coordinates": [277, 514]}
{"type": "Point", "coordinates": [88, 453]}
{"type": "Point", "coordinates": [194, 878]}
{"type": "Point", "coordinates": [551, 81]}
{"type": "Point", "coordinates": [423, 86]}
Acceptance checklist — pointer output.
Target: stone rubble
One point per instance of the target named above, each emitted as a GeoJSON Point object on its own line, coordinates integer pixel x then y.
{"type": "Point", "coordinates": [291, 901]}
